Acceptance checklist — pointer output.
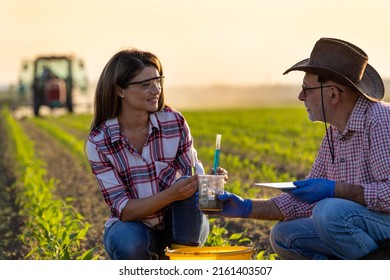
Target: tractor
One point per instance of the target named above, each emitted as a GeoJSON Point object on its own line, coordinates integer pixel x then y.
{"type": "Point", "coordinates": [52, 80]}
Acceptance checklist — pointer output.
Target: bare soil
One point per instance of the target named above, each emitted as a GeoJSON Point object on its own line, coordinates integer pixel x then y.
{"type": "Point", "coordinates": [10, 222]}
{"type": "Point", "coordinates": [76, 181]}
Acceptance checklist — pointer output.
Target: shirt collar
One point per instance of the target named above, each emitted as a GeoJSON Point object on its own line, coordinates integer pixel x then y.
{"type": "Point", "coordinates": [113, 129]}
{"type": "Point", "coordinates": [153, 122]}
{"type": "Point", "coordinates": [356, 121]}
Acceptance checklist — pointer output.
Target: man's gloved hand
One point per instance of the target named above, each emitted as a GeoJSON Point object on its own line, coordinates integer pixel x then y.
{"type": "Point", "coordinates": [234, 206]}
{"type": "Point", "coordinates": [312, 190]}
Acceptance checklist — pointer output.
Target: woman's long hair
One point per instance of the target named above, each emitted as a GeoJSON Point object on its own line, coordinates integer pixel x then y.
{"type": "Point", "coordinates": [119, 70]}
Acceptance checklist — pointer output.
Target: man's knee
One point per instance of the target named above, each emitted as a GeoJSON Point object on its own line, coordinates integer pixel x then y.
{"type": "Point", "coordinates": [329, 215]}
{"type": "Point", "coordinates": [329, 208]}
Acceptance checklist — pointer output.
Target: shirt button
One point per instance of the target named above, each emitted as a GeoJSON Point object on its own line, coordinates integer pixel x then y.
{"type": "Point", "coordinates": [342, 159]}
{"type": "Point", "coordinates": [343, 138]}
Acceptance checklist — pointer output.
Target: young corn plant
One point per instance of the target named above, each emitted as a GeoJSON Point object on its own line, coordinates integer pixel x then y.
{"type": "Point", "coordinates": [52, 228]}
{"type": "Point", "coordinates": [218, 236]}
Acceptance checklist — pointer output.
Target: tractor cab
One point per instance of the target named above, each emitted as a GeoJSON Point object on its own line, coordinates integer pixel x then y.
{"type": "Point", "coordinates": [52, 80]}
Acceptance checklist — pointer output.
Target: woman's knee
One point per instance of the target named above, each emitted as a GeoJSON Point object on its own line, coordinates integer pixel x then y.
{"type": "Point", "coordinates": [126, 241]}
{"type": "Point", "coordinates": [129, 251]}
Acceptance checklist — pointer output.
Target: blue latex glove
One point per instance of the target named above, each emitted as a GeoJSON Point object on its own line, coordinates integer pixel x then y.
{"type": "Point", "coordinates": [312, 190]}
{"type": "Point", "coordinates": [234, 206]}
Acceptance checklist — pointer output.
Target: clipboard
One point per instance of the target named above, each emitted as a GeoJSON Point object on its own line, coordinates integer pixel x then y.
{"type": "Point", "coordinates": [281, 185]}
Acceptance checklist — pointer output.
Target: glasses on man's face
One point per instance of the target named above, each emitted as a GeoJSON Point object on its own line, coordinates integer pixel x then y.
{"type": "Point", "coordinates": [147, 84]}
{"type": "Point", "coordinates": [305, 89]}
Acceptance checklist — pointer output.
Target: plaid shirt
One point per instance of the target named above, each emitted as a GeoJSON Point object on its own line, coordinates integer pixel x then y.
{"type": "Point", "coordinates": [123, 174]}
{"type": "Point", "coordinates": [362, 157]}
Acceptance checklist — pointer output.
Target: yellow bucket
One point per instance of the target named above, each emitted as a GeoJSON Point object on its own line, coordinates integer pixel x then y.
{"type": "Point", "coordinates": [211, 253]}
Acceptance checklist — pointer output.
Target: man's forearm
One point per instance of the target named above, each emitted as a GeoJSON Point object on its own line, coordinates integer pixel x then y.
{"type": "Point", "coordinates": [350, 192]}
{"type": "Point", "coordinates": [265, 210]}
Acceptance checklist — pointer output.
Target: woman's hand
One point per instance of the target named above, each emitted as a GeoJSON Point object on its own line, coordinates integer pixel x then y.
{"type": "Point", "coordinates": [220, 171]}
{"type": "Point", "coordinates": [183, 188]}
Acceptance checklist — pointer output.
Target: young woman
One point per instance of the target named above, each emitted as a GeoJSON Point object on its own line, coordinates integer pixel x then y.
{"type": "Point", "coordinates": [141, 152]}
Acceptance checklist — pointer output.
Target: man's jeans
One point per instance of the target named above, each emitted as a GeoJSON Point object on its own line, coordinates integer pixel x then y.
{"type": "Point", "coordinates": [338, 229]}
{"type": "Point", "coordinates": [185, 225]}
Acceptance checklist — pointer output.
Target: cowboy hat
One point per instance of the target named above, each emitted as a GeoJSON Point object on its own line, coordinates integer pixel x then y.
{"type": "Point", "coordinates": [344, 63]}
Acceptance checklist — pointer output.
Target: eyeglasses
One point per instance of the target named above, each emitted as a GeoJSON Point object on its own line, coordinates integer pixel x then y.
{"type": "Point", "coordinates": [147, 84]}
{"type": "Point", "coordinates": [304, 89]}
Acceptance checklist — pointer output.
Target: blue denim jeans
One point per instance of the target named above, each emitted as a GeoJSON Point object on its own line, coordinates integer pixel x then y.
{"type": "Point", "coordinates": [184, 224]}
{"type": "Point", "coordinates": [338, 229]}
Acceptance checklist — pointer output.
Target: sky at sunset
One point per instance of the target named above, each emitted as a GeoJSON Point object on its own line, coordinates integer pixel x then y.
{"type": "Point", "coordinates": [200, 42]}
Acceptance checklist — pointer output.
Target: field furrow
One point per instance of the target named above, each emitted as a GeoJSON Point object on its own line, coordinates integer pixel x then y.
{"type": "Point", "coordinates": [73, 180]}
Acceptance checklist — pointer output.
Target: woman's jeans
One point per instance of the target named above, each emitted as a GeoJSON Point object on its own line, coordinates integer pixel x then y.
{"type": "Point", "coordinates": [338, 229]}
{"type": "Point", "coordinates": [184, 225]}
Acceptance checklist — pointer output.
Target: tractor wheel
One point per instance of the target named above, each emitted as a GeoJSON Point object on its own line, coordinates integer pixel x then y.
{"type": "Point", "coordinates": [69, 104]}
{"type": "Point", "coordinates": [37, 102]}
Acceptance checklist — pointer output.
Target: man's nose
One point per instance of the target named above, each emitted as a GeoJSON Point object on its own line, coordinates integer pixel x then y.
{"type": "Point", "coordinates": [301, 96]}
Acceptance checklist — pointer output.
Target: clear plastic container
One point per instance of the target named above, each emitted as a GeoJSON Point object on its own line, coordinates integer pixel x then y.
{"type": "Point", "coordinates": [209, 187]}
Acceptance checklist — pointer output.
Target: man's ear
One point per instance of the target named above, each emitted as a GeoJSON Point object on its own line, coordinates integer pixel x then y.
{"type": "Point", "coordinates": [335, 95]}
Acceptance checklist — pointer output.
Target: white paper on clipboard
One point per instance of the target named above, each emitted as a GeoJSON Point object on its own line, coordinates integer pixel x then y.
{"type": "Point", "coordinates": [282, 185]}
